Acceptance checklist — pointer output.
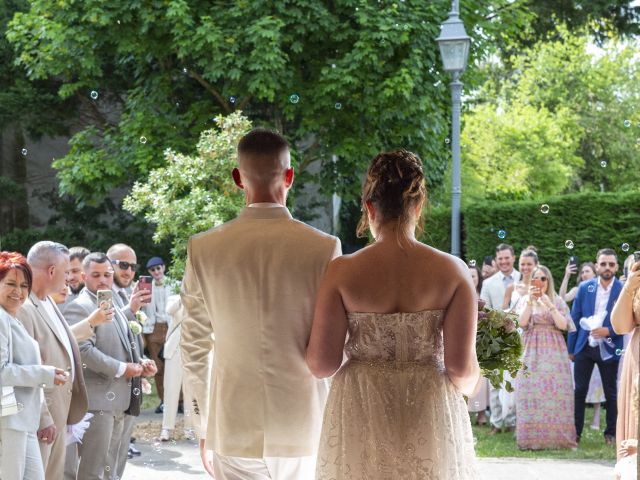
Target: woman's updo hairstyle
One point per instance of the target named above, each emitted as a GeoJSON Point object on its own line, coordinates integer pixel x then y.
{"type": "Point", "coordinates": [395, 186]}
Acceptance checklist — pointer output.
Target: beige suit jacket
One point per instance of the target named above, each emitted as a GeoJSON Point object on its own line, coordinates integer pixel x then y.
{"type": "Point", "coordinates": [67, 404]}
{"type": "Point", "coordinates": [252, 282]}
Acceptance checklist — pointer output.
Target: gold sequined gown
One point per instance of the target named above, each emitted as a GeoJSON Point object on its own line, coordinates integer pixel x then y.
{"type": "Point", "coordinates": [392, 412]}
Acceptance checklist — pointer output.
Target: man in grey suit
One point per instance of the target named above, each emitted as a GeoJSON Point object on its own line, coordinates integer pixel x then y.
{"type": "Point", "coordinates": [111, 364]}
{"type": "Point", "coordinates": [493, 289]}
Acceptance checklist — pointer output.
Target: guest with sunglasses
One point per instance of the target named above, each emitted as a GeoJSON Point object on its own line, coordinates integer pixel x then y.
{"type": "Point", "coordinates": [155, 328]}
{"type": "Point", "coordinates": [597, 297]}
{"type": "Point", "coordinates": [544, 393]}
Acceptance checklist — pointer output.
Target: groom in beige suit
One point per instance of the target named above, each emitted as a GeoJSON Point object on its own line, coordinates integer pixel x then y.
{"type": "Point", "coordinates": [252, 283]}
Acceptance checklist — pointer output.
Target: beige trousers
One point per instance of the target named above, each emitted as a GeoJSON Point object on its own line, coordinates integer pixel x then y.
{"type": "Point", "coordinates": [270, 468]}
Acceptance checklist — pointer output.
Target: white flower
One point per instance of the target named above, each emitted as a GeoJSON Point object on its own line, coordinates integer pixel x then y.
{"type": "Point", "coordinates": [141, 317]}
{"type": "Point", "coordinates": [135, 327]}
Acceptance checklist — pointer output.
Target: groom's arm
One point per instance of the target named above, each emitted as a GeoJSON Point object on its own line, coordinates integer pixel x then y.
{"type": "Point", "coordinates": [196, 341]}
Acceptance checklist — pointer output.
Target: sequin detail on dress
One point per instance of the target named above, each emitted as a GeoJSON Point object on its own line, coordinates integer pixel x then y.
{"type": "Point", "coordinates": [392, 412]}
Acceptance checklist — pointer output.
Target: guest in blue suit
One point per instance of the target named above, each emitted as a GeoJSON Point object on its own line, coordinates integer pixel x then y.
{"type": "Point", "coordinates": [594, 297]}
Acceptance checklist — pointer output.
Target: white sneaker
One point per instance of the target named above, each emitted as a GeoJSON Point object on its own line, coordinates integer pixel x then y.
{"type": "Point", "coordinates": [165, 435]}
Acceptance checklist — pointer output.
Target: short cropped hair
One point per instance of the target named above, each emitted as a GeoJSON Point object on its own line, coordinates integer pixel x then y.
{"type": "Point", "coordinates": [95, 257]}
{"type": "Point", "coordinates": [263, 142]}
{"type": "Point", "coordinates": [45, 253]}
{"type": "Point", "coordinates": [505, 246]}
{"type": "Point", "coordinates": [607, 251]}
{"type": "Point", "coordinates": [78, 252]}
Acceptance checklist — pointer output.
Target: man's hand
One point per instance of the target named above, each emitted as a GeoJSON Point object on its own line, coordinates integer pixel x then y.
{"type": "Point", "coordinates": [207, 459]}
{"type": "Point", "coordinates": [572, 357]}
{"type": "Point", "coordinates": [60, 377]}
{"type": "Point", "coordinates": [601, 332]}
{"type": "Point", "coordinates": [48, 434]}
{"type": "Point", "coordinates": [100, 316]}
{"type": "Point", "coordinates": [137, 299]}
{"type": "Point", "coordinates": [133, 370]}
{"type": "Point", "coordinates": [149, 368]}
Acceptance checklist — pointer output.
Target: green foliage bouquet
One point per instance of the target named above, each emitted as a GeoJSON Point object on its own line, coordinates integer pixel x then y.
{"type": "Point", "coordinates": [498, 345]}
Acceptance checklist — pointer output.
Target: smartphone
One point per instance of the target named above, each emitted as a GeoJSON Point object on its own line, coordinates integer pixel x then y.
{"type": "Point", "coordinates": [105, 299]}
{"type": "Point", "coordinates": [573, 260]}
{"type": "Point", "coordinates": [538, 284]}
{"type": "Point", "coordinates": [636, 256]}
{"type": "Point", "coordinates": [144, 283]}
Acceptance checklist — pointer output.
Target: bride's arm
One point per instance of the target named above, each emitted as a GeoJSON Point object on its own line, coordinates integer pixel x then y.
{"type": "Point", "coordinates": [622, 319]}
{"type": "Point", "coordinates": [329, 330]}
{"type": "Point", "coordinates": [460, 324]}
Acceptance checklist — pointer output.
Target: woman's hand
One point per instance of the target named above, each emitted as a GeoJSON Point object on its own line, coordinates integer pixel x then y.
{"type": "Point", "coordinates": [546, 301]}
{"type": "Point", "coordinates": [628, 447]}
{"type": "Point", "coordinates": [632, 282]}
{"type": "Point", "coordinates": [571, 269]}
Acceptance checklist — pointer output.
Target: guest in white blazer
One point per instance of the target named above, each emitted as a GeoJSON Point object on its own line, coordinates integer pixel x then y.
{"type": "Point", "coordinates": [20, 368]}
{"type": "Point", "coordinates": [173, 372]}
{"type": "Point", "coordinates": [493, 289]}
{"type": "Point", "coordinates": [253, 282]}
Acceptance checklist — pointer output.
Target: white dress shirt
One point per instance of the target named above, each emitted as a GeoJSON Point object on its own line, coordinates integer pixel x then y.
{"type": "Point", "coordinates": [602, 298]}
{"type": "Point", "coordinates": [62, 333]}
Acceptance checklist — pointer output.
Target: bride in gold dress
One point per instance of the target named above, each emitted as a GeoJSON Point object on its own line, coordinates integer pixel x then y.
{"type": "Point", "coordinates": [396, 408]}
{"type": "Point", "coordinates": [624, 319]}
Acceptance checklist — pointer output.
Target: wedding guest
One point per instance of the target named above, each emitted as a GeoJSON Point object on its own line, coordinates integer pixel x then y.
{"type": "Point", "coordinates": [76, 275]}
{"type": "Point", "coordinates": [129, 300]}
{"type": "Point", "coordinates": [253, 282]}
{"type": "Point", "coordinates": [544, 394]}
{"type": "Point", "coordinates": [20, 368]}
{"type": "Point", "coordinates": [626, 318]}
{"type": "Point", "coordinates": [587, 272]}
{"type": "Point", "coordinates": [173, 371]}
{"type": "Point", "coordinates": [41, 318]}
{"type": "Point", "coordinates": [111, 364]}
{"type": "Point", "coordinates": [596, 297]}
{"type": "Point", "coordinates": [157, 325]}
{"type": "Point", "coordinates": [480, 401]}
{"type": "Point", "coordinates": [514, 292]}
{"type": "Point", "coordinates": [410, 312]}
{"type": "Point", "coordinates": [488, 267]}
{"type": "Point", "coordinates": [502, 403]}
{"type": "Point", "coordinates": [595, 395]}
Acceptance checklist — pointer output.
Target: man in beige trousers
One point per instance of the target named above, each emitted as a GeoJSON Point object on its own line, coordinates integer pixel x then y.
{"type": "Point", "coordinates": [252, 282]}
{"type": "Point", "coordinates": [66, 404]}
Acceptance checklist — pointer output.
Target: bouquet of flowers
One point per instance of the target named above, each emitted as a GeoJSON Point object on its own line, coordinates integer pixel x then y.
{"type": "Point", "coordinates": [498, 345]}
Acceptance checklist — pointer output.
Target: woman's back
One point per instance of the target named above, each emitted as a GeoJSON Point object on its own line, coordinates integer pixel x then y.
{"type": "Point", "coordinates": [385, 278]}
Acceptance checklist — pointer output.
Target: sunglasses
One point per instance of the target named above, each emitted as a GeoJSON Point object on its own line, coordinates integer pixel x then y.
{"type": "Point", "coordinates": [157, 267]}
{"type": "Point", "coordinates": [610, 264]}
{"type": "Point", "coordinates": [126, 265]}
{"type": "Point", "coordinates": [542, 279]}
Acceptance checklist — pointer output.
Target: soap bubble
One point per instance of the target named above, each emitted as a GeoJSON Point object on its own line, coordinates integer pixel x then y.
{"type": "Point", "coordinates": [544, 208]}
{"type": "Point", "coordinates": [232, 99]}
{"type": "Point", "coordinates": [94, 95]}
{"type": "Point", "coordinates": [603, 164]}
{"type": "Point", "coordinates": [294, 98]}
{"type": "Point", "coordinates": [502, 234]}
{"type": "Point", "coordinates": [569, 244]}
{"type": "Point", "coordinates": [143, 140]}
{"type": "Point", "coordinates": [472, 263]}
{"type": "Point", "coordinates": [24, 151]}
{"type": "Point", "coordinates": [591, 288]}
{"type": "Point", "coordinates": [619, 351]}
{"type": "Point", "coordinates": [136, 391]}
{"type": "Point", "coordinates": [447, 141]}
{"type": "Point", "coordinates": [609, 341]}
{"type": "Point", "coordinates": [625, 247]}
{"type": "Point", "coordinates": [627, 123]}
{"type": "Point", "coordinates": [338, 106]}
{"type": "Point", "coordinates": [111, 396]}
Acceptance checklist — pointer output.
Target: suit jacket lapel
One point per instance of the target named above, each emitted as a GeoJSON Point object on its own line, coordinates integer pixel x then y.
{"type": "Point", "coordinates": [118, 319]}
{"type": "Point", "coordinates": [43, 314]}
{"type": "Point", "coordinates": [615, 291]}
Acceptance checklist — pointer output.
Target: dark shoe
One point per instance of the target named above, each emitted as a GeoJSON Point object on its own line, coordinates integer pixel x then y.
{"type": "Point", "coordinates": [160, 408]}
{"type": "Point", "coordinates": [509, 429]}
{"type": "Point", "coordinates": [609, 440]}
{"type": "Point", "coordinates": [494, 430]}
{"type": "Point", "coordinates": [133, 451]}
{"type": "Point", "coordinates": [129, 455]}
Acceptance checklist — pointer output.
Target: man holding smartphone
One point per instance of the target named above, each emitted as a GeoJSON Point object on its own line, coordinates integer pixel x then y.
{"type": "Point", "coordinates": [157, 324]}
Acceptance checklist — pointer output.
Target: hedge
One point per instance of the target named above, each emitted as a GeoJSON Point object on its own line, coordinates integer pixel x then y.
{"type": "Point", "coordinates": [590, 220]}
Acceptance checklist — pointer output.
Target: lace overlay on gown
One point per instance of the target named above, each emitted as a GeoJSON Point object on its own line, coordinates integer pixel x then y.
{"type": "Point", "coordinates": [392, 412]}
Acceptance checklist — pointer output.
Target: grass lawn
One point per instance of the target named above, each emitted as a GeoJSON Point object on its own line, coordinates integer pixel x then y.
{"type": "Point", "coordinates": [591, 447]}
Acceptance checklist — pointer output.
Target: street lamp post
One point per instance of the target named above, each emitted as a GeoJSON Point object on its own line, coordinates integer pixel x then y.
{"type": "Point", "coordinates": [454, 49]}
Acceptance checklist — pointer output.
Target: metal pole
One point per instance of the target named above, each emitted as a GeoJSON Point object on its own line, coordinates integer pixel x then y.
{"type": "Point", "coordinates": [456, 189]}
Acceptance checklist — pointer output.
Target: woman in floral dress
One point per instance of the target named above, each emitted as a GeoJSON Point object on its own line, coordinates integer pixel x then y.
{"type": "Point", "coordinates": [544, 393]}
